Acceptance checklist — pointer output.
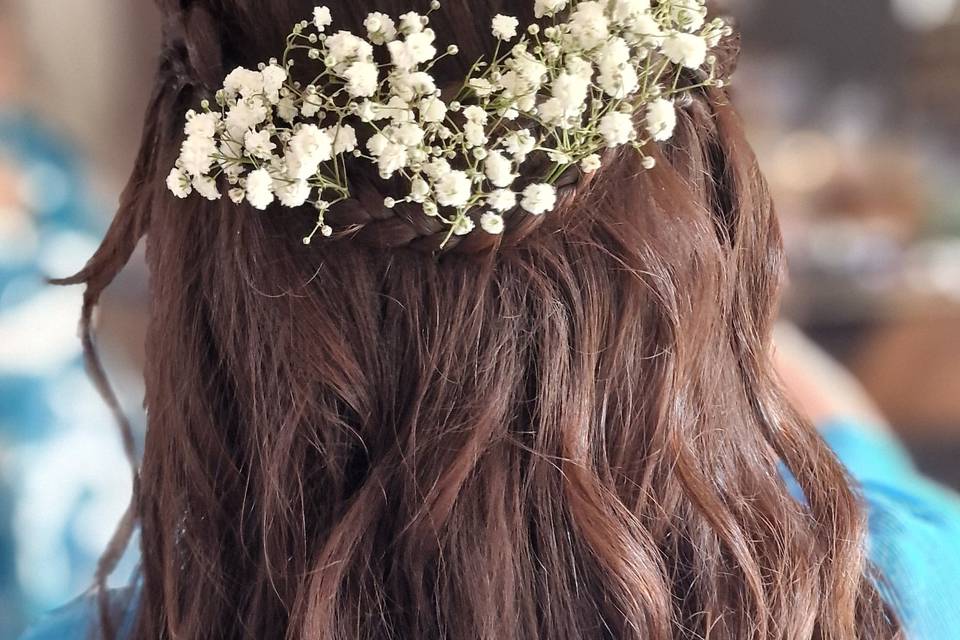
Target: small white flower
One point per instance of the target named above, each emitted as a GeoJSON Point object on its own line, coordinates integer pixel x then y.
{"type": "Point", "coordinates": [392, 158]}
{"type": "Point", "coordinates": [309, 146]}
{"type": "Point", "coordinates": [421, 46]}
{"type": "Point", "coordinates": [619, 82]}
{"type": "Point", "coordinates": [505, 27]}
{"type": "Point", "coordinates": [202, 125]}
{"type": "Point", "coordinates": [322, 18]}
{"type": "Point", "coordinates": [400, 55]}
{"type": "Point", "coordinates": [377, 143]}
{"type": "Point", "coordinates": [625, 9]}
{"type": "Point", "coordinates": [502, 200]}
{"type": "Point", "coordinates": [515, 86]}
{"type": "Point", "coordinates": [685, 49]}
{"type": "Point", "coordinates": [416, 49]}
{"type": "Point", "coordinates": [258, 144]}
{"type": "Point", "coordinates": [519, 143]}
{"type": "Point", "coordinates": [453, 189]}
{"type": "Point", "coordinates": [311, 105]}
{"type": "Point", "coordinates": [398, 110]}
{"type": "Point", "coordinates": [580, 67]}
{"type": "Point", "coordinates": [589, 25]}
{"type": "Point", "coordinates": [196, 155]}
{"type": "Point", "coordinates": [543, 8]}
{"type": "Point", "coordinates": [539, 198]}
{"type": "Point", "coordinates": [273, 78]}
{"type": "Point", "coordinates": [243, 116]}
{"type": "Point", "coordinates": [344, 46]}
{"type": "Point", "coordinates": [616, 128]}
{"type": "Point", "coordinates": [615, 52]}
{"type": "Point", "coordinates": [644, 29]}
{"type": "Point", "coordinates": [492, 223]}
{"type": "Point", "coordinates": [380, 27]}
{"type": "Point", "coordinates": [571, 92]}
{"type": "Point", "coordinates": [432, 109]}
{"type": "Point", "coordinates": [178, 183]}
{"type": "Point", "coordinates": [473, 113]}
{"type": "Point", "coordinates": [237, 194]}
{"type": "Point", "coordinates": [661, 119]}
{"type": "Point", "coordinates": [245, 82]}
{"type": "Point", "coordinates": [344, 138]}
{"type": "Point", "coordinates": [362, 79]}
{"type": "Point", "coordinates": [498, 169]}
{"type": "Point", "coordinates": [474, 134]}
{"type": "Point", "coordinates": [528, 69]}
{"type": "Point", "coordinates": [689, 14]}
{"type": "Point", "coordinates": [590, 164]}
{"type": "Point", "coordinates": [409, 134]}
{"type": "Point", "coordinates": [370, 111]}
{"type": "Point", "coordinates": [552, 112]}
{"type": "Point", "coordinates": [436, 168]}
{"type": "Point", "coordinates": [287, 108]}
{"type": "Point", "coordinates": [411, 22]}
{"type": "Point", "coordinates": [259, 189]}
{"type": "Point", "coordinates": [419, 189]}
{"type": "Point", "coordinates": [410, 86]}
{"type": "Point", "coordinates": [463, 225]}
{"type": "Point", "coordinates": [292, 193]}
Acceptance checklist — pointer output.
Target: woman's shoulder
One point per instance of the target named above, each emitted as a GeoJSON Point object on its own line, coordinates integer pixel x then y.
{"type": "Point", "coordinates": [80, 619]}
{"type": "Point", "coordinates": [914, 530]}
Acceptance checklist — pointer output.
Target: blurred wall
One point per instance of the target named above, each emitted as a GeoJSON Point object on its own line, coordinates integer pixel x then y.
{"type": "Point", "coordinates": [89, 70]}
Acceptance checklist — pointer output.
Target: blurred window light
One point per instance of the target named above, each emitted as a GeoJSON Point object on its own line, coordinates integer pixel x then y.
{"type": "Point", "coordinates": [924, 15]}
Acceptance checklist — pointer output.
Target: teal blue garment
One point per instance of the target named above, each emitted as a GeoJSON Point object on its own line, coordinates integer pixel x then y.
{"type": "Point", "coordinates": [79, 620]}
{"type": "Point", "coordinates": [48, 227]}
{"type": "Point", "coordinates": [914, 541]}
{"type": "Point", "coordinates": [914, 531]}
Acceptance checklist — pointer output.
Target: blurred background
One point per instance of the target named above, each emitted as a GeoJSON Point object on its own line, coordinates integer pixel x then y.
{"type": "Point", "coordinates": [852, 107]}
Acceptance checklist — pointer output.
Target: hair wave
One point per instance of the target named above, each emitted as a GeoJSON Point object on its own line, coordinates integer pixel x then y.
{"type": "Point", "coordinates": [576, 433]}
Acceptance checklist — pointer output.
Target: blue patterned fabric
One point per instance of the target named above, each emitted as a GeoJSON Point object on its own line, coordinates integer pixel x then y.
{"type": "Point", "coordinates": [63, 484]}
{"type": "Point", "coordinates": [914, 540]}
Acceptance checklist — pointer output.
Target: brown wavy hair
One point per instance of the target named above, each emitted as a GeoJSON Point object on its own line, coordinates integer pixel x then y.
{"type": "Point", "coordinates": [573, 431]}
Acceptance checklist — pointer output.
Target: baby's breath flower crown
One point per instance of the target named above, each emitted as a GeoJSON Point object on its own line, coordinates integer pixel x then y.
{"type": "Point", "coordinates": [603, 76]}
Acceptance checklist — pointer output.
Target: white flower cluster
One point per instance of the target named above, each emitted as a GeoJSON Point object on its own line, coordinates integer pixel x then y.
{"type": "Point", "coordinates": [596, 74]}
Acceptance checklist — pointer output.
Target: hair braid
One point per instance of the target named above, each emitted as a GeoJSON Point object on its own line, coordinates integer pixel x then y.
{"type": "Point", "coordinates": [366, 218]}
{"type": "Point", "coordinates": [192, 44]}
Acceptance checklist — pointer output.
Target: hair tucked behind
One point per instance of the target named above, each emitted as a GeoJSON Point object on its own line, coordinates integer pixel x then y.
{"type": "Point", "coordinates": [576, 434]}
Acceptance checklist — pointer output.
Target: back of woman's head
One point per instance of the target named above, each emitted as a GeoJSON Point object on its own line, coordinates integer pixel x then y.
{"type": "Point", "coordinates": [569, 431]}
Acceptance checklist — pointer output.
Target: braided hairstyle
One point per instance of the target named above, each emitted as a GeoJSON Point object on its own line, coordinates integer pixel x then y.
{"type": "Point", "coordinates": [569, 431]}
{"type": "Point", "coordinates": [195, 47]}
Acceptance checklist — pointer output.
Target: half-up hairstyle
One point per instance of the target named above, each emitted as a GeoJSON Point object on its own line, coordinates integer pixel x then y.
{"type": "Point", "coordinates": [570, 431]}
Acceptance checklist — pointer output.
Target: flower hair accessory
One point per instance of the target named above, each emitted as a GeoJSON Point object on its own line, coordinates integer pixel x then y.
{"type": "Point", "coordinates": [604, 76]}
